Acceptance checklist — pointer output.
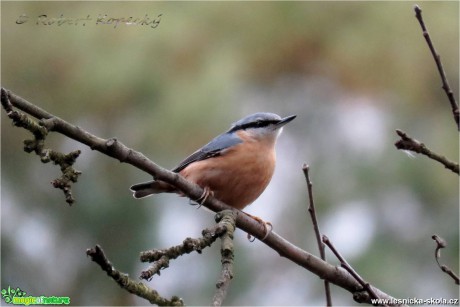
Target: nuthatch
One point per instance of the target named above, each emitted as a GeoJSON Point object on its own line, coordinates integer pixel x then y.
{"type": "Point", "coordinates": [235, 167]}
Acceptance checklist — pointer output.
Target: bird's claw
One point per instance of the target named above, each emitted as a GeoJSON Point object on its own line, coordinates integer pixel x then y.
{"type": "Point", "coordinates": [202, 199]}
{"type": "Point", "coordinates": [267, 230]}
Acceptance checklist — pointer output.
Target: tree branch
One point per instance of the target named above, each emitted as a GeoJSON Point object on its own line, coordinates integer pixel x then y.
{"type": "Point", "coordinates": [224, 229]}
{"type": "Point", "coordinates": [227, 219]}
{"type": "Point", "coordinates": [138, 288]}
{"type": "Point", "coordinates": [37, 145]}
{"type": "Point", "coordinates": [365, 286]}
{"type": "Point", "coordinates": [113, 148]}
{"type": "Point", "coordinates": [408, 143]}
{"type": "Point", "coordinates": [437, 59]}
{"type": "Point", "coordinates": [312, 211]}
{"type": "Point", "coordinates": [441, 243]}
{"type": "Point", "coordinates": [161, 257]}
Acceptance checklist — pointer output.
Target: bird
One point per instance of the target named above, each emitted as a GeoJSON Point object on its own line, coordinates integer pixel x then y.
{"type": "Point", "coordinates": [235, 167]}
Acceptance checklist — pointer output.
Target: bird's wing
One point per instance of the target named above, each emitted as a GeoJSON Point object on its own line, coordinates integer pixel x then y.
{"type": "Point", "coordinates": [212, 149]}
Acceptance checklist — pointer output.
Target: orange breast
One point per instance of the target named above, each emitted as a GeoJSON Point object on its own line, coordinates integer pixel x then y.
{"type": "Point", "coordinates": [239, 175]}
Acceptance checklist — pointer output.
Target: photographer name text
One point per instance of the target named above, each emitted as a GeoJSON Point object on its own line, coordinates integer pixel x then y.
{"type": "Point", "coordinates": [100, 19]}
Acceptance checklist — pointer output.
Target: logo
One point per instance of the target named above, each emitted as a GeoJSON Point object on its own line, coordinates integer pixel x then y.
{"type": "Point", "coordinates": [18, 297]}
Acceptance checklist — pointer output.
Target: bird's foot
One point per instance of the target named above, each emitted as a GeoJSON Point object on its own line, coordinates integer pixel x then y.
{"type": "Point", "coordinates": [268, 227]}
{"type": "Point", "coordinates": [201, 200]}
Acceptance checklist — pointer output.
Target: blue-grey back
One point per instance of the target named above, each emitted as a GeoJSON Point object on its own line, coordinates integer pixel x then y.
{"type": "Point", "coordinates": [212, 149]}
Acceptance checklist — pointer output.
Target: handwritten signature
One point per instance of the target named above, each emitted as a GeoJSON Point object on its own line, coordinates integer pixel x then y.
{"type": "Point", "coordinates": [45, 20]}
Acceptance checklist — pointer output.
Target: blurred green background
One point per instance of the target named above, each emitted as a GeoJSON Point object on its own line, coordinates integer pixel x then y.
{"type": "Point", "coordinates": [353, 72]}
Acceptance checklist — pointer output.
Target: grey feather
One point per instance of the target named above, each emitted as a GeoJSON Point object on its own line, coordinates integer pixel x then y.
{"type": "Point", "coordinates": [212, 149]}
{"type": "Point", "coordinates": [144, 189]}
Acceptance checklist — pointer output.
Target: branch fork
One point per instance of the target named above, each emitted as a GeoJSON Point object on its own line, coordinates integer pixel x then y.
{"type": "Point", "coordinates": [224, 229]}
{"type": "Point", "coordinates": [40, 131]}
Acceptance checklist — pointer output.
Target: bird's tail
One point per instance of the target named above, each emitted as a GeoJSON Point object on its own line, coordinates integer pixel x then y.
{"type": "Point", "coordinates": [145, 189]}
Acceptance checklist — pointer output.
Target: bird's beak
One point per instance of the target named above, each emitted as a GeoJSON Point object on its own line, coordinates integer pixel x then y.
{"type": "Point", "coordinates": [285, 120]}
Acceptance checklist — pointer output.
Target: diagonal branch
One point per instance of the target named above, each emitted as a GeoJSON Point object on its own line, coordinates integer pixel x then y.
{"type": "Point", "coordinates": [437, 59]}
{"type": "Point", "coordinates": [343, 263]}
{"type": "Point", "coordinates": [408, 143]}
{"type": "Point", "coordinates": [113, 148]}
{"type": "Point", "coordinates": [138, 288]}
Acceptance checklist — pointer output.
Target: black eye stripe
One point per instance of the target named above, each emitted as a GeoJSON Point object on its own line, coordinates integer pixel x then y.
{"type": "Point", "coordinates": [257, 124]}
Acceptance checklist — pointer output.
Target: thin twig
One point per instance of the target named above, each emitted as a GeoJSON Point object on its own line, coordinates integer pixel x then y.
{"type": "Point", "coordinates": [138, 288]}
{"type": "Point", "coordinates": [343, 263]}
{"type": "Point", "coordinates": [312, 211]}
{"type": "Point", "coordinates": [441, 243]}
{"type": "Point", "coordinates": [408, 143]}
{"type": "Point", "coordinates": [437, 59]}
